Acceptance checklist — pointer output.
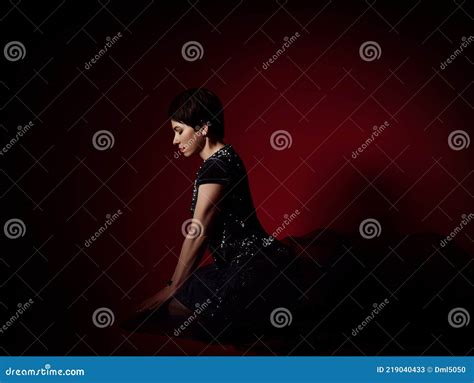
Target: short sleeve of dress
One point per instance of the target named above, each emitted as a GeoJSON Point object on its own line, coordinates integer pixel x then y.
{"type": "Point", "coordinates": [213, 171]}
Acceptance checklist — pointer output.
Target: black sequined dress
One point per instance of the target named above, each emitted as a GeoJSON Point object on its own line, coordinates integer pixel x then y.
{"type": "Point", "coordinates": [247, 260]}
{"type": "Point", "coordinates": [308, 280]}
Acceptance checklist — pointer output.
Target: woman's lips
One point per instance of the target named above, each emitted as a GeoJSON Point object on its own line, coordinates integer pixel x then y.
{"type": "Point", "coordinates": [182, 150]}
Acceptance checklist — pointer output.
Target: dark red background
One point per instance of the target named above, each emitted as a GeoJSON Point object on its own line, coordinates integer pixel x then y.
{"type": "Point", "coordinates": [421, 185]}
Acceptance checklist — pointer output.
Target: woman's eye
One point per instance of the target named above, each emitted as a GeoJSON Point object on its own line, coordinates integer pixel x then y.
{"type": "Point", "coordinates": [180, 133]}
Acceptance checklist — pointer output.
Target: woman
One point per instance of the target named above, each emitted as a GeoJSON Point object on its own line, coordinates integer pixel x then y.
{"type": "Point", "coordinates": [310, 282]}
{"type": "Point", "coordinates": [243, 282]}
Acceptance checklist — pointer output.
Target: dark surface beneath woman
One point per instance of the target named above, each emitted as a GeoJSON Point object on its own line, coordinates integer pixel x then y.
{"type": "Point", "coordinates": [325, 268]}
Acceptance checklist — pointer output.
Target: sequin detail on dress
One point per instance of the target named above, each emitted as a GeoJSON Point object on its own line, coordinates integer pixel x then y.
{"type": "Point", "coordinates": [246, 258]}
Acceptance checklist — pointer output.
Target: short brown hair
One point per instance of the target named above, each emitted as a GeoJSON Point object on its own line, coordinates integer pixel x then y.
{"type": "Point", "coordinates": [198, 106]}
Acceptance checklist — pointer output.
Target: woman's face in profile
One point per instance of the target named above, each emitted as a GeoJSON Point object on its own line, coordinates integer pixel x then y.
{"type": "Point", "coordinates": [189, 140]}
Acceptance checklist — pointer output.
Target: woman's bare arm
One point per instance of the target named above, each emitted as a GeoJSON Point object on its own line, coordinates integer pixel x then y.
{"type": "Point", "coordinates": [195, 243]}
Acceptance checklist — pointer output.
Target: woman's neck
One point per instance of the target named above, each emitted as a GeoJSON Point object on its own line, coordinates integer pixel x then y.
{"type": "Point", "coordinates": [210, 148]}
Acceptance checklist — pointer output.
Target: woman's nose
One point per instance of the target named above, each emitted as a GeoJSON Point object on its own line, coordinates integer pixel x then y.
{"type": "Point", "coordinates": [175, 140]}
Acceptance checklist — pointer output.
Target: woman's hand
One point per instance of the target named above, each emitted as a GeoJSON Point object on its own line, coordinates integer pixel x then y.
{"type": "Point", "coordinates": [156, 300]}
